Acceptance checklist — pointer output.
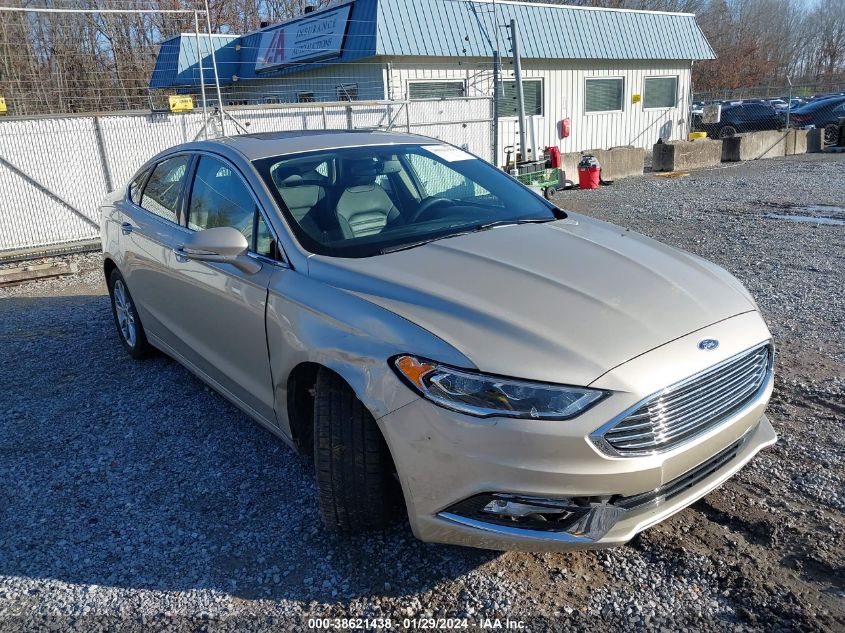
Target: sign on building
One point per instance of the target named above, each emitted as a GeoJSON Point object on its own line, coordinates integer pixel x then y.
{"type": "Point", "coordinates": [3, 108]}
{"type": "Point", "coordinates": [308, 40]}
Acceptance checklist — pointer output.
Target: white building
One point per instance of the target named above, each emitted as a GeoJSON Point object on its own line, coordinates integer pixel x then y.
{"type": "Point", "coordinates": [618, 77]}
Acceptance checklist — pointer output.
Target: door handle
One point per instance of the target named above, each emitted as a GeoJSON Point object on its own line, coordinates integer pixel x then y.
{"type": "Point", "coordinates": [126, 228]}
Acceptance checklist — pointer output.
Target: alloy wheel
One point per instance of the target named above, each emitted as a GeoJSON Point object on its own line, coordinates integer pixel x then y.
{"type": "Point", "coordinates": [125, 313]}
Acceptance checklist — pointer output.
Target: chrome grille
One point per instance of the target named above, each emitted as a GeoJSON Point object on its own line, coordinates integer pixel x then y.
{"type": "Point", "coordinates": [690, 407]}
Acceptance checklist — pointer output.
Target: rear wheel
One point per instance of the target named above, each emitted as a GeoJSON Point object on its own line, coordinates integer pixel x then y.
{"type": "Point", "coordinates": [126, 318]}
{"type": "Point", "coordinates": [355, 483]}
{"type": "Point", "coordinates": [831, 134]}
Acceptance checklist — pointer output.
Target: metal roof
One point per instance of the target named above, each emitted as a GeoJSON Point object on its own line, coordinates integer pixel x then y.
{"type": "Point", "coordinates": [177, 63]}
{"type": "Point", "coordinates": [467, 28]}
{"type": "Point", "coordinates": [456, 28]}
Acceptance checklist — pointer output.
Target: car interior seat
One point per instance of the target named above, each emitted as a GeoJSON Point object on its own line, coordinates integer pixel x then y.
{"type": "Point", "coordinates": [304, 194]}
{"type": "Point", "coordinates": [364, 208]}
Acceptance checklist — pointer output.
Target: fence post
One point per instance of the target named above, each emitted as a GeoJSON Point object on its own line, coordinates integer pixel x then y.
{"type": "Point", "coordinates": [349, 124]}
{"type": "Point", "coordinates": [101, 150]}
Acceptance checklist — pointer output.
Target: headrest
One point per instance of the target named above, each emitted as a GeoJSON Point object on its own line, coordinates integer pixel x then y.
{"type": "Point", "coordinates": [370, 168]}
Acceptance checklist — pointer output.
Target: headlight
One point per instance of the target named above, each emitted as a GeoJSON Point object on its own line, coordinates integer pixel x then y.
{"type": "Point", "coordinates": [485, 396]}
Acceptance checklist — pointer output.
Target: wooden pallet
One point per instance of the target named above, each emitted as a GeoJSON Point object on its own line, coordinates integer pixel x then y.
{"type": "Point", "coordinates": [14, 276]}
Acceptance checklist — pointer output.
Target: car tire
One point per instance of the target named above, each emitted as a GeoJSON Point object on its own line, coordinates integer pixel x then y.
{"type": "Point", "coordinates": [831, 134]}
{"type": "Point", "coordinates": [126, 319]}
{"type": "Point", "coordinates": [727, 131]}
{"type": "Point", "coordinates": [355, 483]}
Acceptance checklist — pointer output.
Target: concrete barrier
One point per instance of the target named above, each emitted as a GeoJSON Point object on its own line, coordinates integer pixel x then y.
{"type": "Point", "coordinates": [796, 142]}
{"type": "Point", "coordinates": [815, 140]}
{"type": "Point", "coordinates": [620, 162]}
{"type": "Point", "coordinates": [754, 145]}
{"type": "Point", "coordinates": [616, 163]}
{"type": "Point", "coordinates": [679, 155]}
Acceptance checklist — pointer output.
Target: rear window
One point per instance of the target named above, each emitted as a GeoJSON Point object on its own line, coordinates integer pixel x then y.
{"type": "Point", "coordinates": [137, 185]}
{"type": "Point", "coordinates": [161, 194]}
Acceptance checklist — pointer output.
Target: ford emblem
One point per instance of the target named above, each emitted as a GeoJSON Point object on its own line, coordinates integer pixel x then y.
{"type": "Point", "coordinates": [708, 344]}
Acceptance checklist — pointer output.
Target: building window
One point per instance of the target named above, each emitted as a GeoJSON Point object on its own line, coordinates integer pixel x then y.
{"type": "Point", "coordinates": [271, 99]}
{"type": "Point", "coordinates": [238, 102]}
{"type": "Point", "coordinates": [305, 97]}
{"type": "Point", "coordinates": [660, 92]}
{"type": "Point", "coordinates": [604, 95]}
{"type": "Point", "coordinates": [436, 89]}
{"type": "Point", "coordinates": [347, 92]}
{"type": "Point", "coordinates": [532, 96]}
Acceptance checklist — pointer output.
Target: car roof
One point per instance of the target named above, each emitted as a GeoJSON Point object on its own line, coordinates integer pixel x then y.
{"type": "Point", "coordinates": [262, 145]}
{"type": "Point", "coordinates": [820, 104]}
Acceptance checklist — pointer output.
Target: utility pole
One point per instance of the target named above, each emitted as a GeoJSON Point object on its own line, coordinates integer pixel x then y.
{"type": "Point", "coordinates": [497, 85]}
{"type": "Point", "coordinates": [497, 95]}
{"type": "Point", "coordinates": [520, 101]}
{"type": "Point", "coordinates": [214, 65]}
{"type": "Point", "coordinates": [202, 74]}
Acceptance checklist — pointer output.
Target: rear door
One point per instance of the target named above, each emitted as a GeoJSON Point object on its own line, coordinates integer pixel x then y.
{"type": "Point", "coordinates": [221, 310]}
{"type": "Point", "coordinates": [150, 229]}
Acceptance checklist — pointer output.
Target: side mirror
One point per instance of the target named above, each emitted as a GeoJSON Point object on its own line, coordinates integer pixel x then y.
{"type": "Point", "coordinates": [223, 245]}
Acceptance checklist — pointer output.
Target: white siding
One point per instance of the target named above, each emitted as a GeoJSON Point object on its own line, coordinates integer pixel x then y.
{"type": "Point", "coordinates": [323, 82]}
{"type": "Point", "coordinates": [563, 96]}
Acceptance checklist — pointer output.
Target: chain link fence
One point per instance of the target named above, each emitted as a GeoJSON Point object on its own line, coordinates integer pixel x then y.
{"type": "Point", "coordinates": [725, 113]}
{"type": "Point", "coordinates": [55, 171]}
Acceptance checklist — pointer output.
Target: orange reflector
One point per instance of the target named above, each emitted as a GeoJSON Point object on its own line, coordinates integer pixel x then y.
{"type": "Point", "coordinates": [414, 370]}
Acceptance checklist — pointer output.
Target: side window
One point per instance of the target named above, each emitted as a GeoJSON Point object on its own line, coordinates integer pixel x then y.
{"type": "Point", "coordinates": [264, 239]}
{"type": "Point", "coordinates": [220, 198]}
{"type": "Point", "coordinates": [135, 186]}
{"type": "Point", "coordinates": [162, 191]}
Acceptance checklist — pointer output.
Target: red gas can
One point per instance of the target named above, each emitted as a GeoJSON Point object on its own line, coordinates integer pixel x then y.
{"type": "Point", "coordinates": [553, 154]}
{"type": "Point", "coordinates": [589, 173]}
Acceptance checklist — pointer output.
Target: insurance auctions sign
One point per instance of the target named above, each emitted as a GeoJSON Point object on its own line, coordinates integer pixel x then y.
{"type": "Point", "coordinates": [305, 40]}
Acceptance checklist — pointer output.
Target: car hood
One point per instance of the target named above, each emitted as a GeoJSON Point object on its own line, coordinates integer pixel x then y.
{"type": "Point", "coordinates": [563, 302]}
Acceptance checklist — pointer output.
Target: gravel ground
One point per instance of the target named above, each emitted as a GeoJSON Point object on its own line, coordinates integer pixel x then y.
{"type": "Point", "coordinates": [136, 498]}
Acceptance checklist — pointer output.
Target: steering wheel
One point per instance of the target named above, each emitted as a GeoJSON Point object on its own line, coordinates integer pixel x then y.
{"type": "Point", "coordinates": [428, 205]}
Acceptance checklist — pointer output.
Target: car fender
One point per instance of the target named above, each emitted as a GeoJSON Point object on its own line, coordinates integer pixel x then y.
{"type": "Point", "coordinates": [308, 321]}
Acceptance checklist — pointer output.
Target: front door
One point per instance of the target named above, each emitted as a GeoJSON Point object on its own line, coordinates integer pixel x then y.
{"type": "Point", "coordinates": [221, 309]}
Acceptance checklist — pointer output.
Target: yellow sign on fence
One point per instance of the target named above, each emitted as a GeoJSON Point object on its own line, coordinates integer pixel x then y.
{"type": "Point", "coordinates": [181, 103]}
{"type": "Point", "coordinates": [636, 98]}
{"type": "Point", "coordinates": [3, 108]}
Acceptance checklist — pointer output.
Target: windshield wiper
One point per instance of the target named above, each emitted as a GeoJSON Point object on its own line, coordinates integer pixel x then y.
{"type": "Point", "coordinates": [406, 246]}
{"type": "Point", "coordinates": [474, 229]}
{"type": "Point", "coordinates": [491, 225]}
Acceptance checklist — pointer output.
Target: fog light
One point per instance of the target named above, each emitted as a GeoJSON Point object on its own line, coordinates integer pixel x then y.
{"type": "Point", "coordinates": [581, 518]}
{"type": "Point", "coordinates": [507, 508]}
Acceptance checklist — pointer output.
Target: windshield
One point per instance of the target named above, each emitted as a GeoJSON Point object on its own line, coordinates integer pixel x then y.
{"type": "Point", "coordinates": [362, 201]}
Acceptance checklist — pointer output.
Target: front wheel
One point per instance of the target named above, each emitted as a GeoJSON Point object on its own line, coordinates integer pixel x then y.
{"type": "Point", "coordinates": [355, 483]}
{"type": "Point", "coordinates": [727, 131]}
{"type": "Point", "coordinates": [126, 318]}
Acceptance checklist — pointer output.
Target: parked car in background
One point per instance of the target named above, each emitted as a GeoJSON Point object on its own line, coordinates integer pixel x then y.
{"type": "Point", "coordinates": [432, 331]}
{"type": "Point", "coordinates": [823, 114]}
{"type": "Point", "coordinates": [744, 117]}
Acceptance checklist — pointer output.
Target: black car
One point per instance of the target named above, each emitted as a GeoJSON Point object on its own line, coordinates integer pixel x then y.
{"type": "Point", "coordinates": [743, 117]}
{"type": "Point", "coordinates": [823, 114]}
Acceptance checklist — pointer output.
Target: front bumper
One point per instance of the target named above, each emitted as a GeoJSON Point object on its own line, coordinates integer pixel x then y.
{"type": "Point", "coordinates": [444, 457]}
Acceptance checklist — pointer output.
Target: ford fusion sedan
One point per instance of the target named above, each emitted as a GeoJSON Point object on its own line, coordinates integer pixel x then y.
{"type": "Point", "coordinates": [442, 340]}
